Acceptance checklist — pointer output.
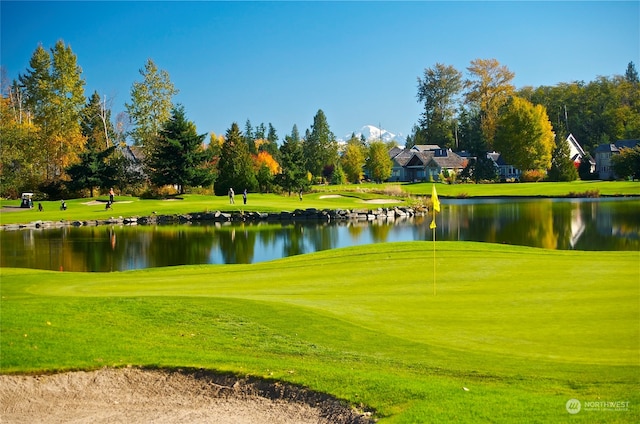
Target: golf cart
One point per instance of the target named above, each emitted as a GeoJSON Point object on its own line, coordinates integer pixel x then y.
{"type": "Point", "coordinates": [27, 201]}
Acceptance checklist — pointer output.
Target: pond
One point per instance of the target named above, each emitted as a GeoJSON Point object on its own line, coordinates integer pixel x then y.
{"type": "Point", "coordinates": [581, 224]}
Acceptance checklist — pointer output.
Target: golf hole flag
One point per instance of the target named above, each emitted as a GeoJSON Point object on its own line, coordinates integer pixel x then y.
{"type": "Point", "coordinates": [435, 205]}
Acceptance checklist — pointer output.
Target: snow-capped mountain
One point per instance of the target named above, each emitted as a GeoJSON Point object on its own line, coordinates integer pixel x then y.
{"type": "Point", "coordinates": [372, 132]}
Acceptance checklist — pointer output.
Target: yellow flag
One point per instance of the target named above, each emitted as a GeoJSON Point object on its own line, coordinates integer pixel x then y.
{"type": "Point", "coordinates": [434, 200]}
{"type": "Point", "coordinates": [433, 223]}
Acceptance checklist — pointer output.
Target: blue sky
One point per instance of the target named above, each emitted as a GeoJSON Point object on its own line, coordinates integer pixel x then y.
{"type": "Point", "coordinates": [280, 62]}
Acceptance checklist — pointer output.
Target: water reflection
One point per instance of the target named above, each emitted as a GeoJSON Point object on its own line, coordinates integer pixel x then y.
{"type": "Point", "coordinates": [597, 224]}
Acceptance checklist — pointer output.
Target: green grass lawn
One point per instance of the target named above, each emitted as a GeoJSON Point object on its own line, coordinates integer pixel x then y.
{"type": "Point", "coordinates": [348, 196]}
{"type": "Point", "coordinates": [604, 188]}
{"type": "Point", "coordinates": [523, 329]}
{"type": "Point", "coordinates": [87, 209]}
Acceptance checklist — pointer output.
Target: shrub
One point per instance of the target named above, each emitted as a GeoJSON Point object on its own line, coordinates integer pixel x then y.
{"type": "Point", "coordinates": [532, 176]}
{"type": "Point", "coordinates": [158, 192]}
{"type": "Point", "coordinates": [588, 194]}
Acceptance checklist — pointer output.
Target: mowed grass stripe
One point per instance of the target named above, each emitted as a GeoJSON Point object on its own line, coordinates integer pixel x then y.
{"type": "Point", "coordinates": [518, 324]}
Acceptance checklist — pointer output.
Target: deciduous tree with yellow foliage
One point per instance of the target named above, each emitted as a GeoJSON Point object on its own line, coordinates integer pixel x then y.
{"type": "Point", "coordinates": [524, 135]}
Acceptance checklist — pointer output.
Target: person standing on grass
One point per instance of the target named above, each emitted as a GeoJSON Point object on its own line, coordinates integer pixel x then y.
{"type": "Point", "coordinates": [111, 194]}
{"type": "Point", "coordinates": [231, 195]}
{"type": "Point", "coordinates": [244, 196]}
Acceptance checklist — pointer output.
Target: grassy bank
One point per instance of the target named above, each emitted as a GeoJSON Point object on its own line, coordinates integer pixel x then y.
{"type": "Point", "coordinates": [87, 209]}
{"type": "Point", "coordinates": [523, 330]}
{"type": "Point", "coordinates": [563, 189]}
{"type": "Point", "coordinates": [361, 196]}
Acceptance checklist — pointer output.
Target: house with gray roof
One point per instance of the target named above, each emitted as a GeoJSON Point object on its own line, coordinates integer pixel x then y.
{"type": "Point", "coordinates": [505, 170]}
{"type": "Point", "coordinates": [605, 152]}
{"type": "Point", "coordinates": [423, 162]}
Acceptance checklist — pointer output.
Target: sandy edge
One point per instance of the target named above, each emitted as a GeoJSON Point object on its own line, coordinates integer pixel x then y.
{"type": "Point", "coordinates": [162, 396]}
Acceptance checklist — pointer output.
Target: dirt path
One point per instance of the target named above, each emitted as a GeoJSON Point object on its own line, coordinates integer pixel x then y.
{"type": "Point", "coordinates": [156, 396]}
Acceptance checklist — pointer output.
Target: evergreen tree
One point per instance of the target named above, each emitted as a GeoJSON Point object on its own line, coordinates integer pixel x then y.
{"type": "Point", "coordinates": [178, 156]}
{"type": "Point", "coordinates": [235, 167]}
{"type": "Point", "coordinates": [293, 175]}
{"type": "Point", "coordinates": [93, 170]}
{"type": "Point", "coordinates": [415, 138]}
{"type": "Point", "coordinates": [631, 74]}
{"type": "Point", "coordinates": [438, 91]}
{"type": "Point", "coordinates": [271, 144]}
{"type": "Point", "coordinates": [562, 167]}
{"type": "Point", "coordinates": [250, 138]}
{"type": "Point", "coordinates": [260, 132]}
{"type": "Point", "coordinates": [480, 168]}
{"type": "Point", "coordinates": [320, 146]}
{"type": "Point", "coordinates": [338, 176]}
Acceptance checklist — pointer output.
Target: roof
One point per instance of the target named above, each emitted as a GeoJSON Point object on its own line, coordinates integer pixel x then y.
{"type": "Point", "coordinates": [426, 147]}
{"type": "Point", "coordinates": [133, 153]}
{"type": "Point", "coordinates": [576, 146]}
{"type": "Point", "coordinates": [497, 158]}
{"type": "Point", "coordinates": [415, 157]}
{"type": "Point", "coordinates": [450, 161]}
{"type": "Point", "coordinates": [403, 157]}
{"type": "Point", "coordinates": [395, 151]}
{"type": "Point", "coordinates": [615, 147]}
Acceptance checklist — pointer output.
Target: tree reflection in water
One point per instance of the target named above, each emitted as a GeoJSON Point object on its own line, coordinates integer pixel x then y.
{"type": "Point", "coordinates": [585, 224]}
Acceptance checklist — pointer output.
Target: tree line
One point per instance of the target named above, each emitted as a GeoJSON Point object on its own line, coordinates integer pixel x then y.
{"type": "Point", "coordinates": [483, 111]}
{"type": "Point", "coordinates": [60, 143]}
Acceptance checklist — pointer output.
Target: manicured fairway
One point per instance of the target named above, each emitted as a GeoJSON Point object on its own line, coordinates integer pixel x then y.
{"type": "Point", "coordinates": [523, 330]}
{"type": "Point", "coordinates": [563, 189]}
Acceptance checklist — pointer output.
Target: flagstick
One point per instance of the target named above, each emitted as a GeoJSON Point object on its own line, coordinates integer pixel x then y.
{"type": "Point", "coordinates": [434, 255]}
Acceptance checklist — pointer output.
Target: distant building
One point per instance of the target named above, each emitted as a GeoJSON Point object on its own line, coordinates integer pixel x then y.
{"type": "Point", "coordinates": [577, 154]}
{"type": "Point", "coordinates": [135, 157]}
{"type": "Point", "coordinates": [505, 170]}
{"type": "Point", "coordinates": [423, 162]}
{"type": "Point", "coordinates": [605, 152]}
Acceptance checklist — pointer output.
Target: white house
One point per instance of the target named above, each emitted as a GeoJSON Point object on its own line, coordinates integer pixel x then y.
{"type": "Point", "coordinates": [577, 153]}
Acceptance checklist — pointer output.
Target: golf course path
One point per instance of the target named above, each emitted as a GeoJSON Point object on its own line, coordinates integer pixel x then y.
{"type": "Point", "coordinates": [135, 395]}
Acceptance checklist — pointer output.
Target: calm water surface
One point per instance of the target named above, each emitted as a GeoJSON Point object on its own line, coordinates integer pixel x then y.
{"type": "Point", "coordinates": [580, 224]}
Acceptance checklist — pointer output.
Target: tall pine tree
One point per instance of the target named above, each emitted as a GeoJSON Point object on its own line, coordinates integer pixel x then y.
{"type": "Point", "coordinates": [320, 146]}
{"type": "Point", "coordinates": [293, 176]}
{"type": "Point", "coordinates": [562, 167]}
{"type": "Point", "coordinates": [178, 156]}
{"type": "Point", "coordinates": [235, 167]}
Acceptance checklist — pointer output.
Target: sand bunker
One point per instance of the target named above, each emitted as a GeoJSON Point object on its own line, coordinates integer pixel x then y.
{"type": "Point", "coordinates": [158, 396]}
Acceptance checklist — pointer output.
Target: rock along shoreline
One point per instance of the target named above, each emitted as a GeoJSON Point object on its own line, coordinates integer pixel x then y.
{"type": "Point", "coordinates": [310, 214]}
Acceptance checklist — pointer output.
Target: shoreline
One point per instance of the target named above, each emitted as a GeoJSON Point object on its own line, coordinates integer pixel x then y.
{"type": "Point", "coordinates": [309, 214]}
